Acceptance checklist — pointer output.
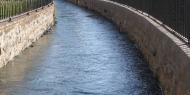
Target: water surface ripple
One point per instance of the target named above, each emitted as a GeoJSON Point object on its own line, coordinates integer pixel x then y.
{"type": "Point", "coordinates": [84, 55]}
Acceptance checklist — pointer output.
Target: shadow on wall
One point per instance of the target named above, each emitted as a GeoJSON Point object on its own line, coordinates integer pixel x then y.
{"type": "Point", "coordinates": [167, 55]}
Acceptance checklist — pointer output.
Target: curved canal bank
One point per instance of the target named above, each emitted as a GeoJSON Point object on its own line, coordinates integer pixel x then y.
{"type": "Point", "coordinates": [22, 30]}
{"type": "Point", "coordinates": [168, 56]}
{"type": "Point", "coordinates": [84, 55]}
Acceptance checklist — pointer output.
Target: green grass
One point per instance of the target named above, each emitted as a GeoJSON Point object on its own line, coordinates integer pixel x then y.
{"type": "Point", "coordinates": [10, 8]}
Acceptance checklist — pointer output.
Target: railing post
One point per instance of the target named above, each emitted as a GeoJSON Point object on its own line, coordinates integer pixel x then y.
{"type": "Point", "coordinates": [9, 8]}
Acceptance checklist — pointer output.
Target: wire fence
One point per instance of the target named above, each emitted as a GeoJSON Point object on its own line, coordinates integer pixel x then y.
{"type": "Point", "coordinates": [9, 8]}
{"type": "Point", "coordinates": [173, 13]}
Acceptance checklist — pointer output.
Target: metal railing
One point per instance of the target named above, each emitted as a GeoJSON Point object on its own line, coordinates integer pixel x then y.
{"type": "Point", "coordinates": [173, 13]}
{"type": "Point", "coordinates": [9, 8]}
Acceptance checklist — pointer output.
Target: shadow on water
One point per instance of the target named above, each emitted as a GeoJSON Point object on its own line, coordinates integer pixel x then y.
{"type": "Point", "coordinates": [84, 55]}
{"type": "Point", "coordinates": [141, 69]}
{"type": "Point", "coordinates": [15, 72]}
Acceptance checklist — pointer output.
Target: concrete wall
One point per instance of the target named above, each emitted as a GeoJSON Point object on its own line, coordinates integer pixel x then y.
{"type": "Point", "coordinates": [168, 56]}
{"type": "Point", "coordinates": [22, 31]}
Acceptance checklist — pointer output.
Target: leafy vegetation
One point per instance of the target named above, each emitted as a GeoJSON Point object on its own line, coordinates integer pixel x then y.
{"type": "Point", "coordinates": [10, 8]}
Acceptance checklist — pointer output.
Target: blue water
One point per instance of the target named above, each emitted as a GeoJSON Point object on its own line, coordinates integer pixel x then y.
{"type": "Point", "coordinates": [84, 55]}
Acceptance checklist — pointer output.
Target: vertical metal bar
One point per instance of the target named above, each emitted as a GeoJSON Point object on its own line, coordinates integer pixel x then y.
{"type": "Point", "coordinates": [6, 10]}
{"type": "Point", "coordinates": [3, 9]}
{"type": "Point", "coordinates": [0, 9]}
{"type": "Point", "coordinates": [9, 8]}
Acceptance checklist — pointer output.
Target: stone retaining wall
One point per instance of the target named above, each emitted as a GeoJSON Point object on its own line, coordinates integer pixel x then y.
{"type": "Point", "coordinates": [168, 56]}
{"type": "Point", "coordinates": [22, 31]}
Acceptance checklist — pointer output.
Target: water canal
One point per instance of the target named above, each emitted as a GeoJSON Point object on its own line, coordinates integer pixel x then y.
{"type": "Point", "coordinates": [84, 55]}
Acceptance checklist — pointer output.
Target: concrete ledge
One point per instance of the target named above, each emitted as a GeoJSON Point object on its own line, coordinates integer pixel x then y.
{"type": "Point", "coordinates": [19, 33]}
{"type": "Point", "coordinates": [168, 56]}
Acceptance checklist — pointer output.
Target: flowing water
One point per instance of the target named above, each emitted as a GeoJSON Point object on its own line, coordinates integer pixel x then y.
{"type": "Point", "coordinates": [84, 55]}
